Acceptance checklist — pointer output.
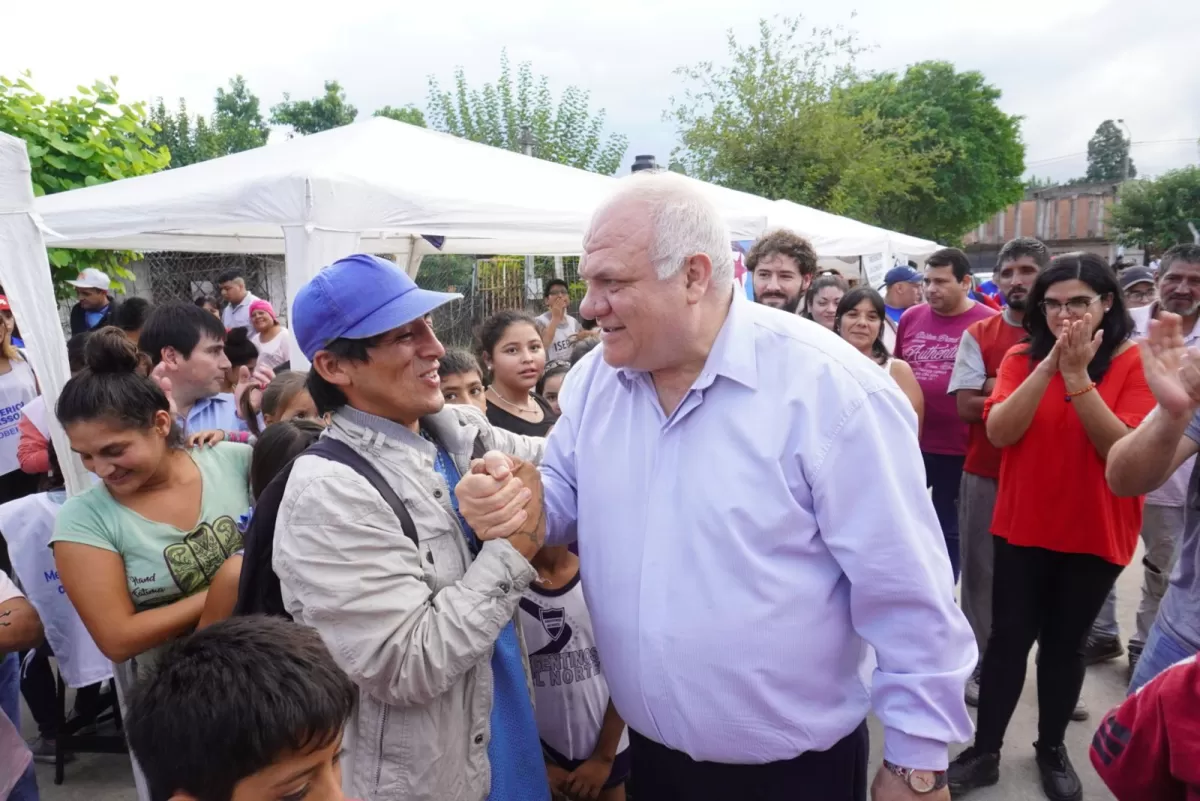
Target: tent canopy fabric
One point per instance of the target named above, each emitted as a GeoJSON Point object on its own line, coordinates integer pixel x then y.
{"type": "Point", "coordinates": [25, 275]}
{"type": "Point", "coordinates": [383, 180]}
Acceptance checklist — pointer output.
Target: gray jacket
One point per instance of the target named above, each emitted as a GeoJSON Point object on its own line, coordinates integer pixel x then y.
{"type": "Point", "coordinates": [413, 629]}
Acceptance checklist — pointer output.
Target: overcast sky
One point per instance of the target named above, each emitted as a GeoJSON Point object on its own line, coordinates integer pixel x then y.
{"type": "Point", "coordinates": [1064, 65]}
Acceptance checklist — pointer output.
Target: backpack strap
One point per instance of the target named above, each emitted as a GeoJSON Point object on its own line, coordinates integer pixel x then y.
{"type": "Point", "coordinates": [338, 451]}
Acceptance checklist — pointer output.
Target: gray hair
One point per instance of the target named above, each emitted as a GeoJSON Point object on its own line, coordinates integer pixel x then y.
{"type": "Point", "coordinates": [684, 223]}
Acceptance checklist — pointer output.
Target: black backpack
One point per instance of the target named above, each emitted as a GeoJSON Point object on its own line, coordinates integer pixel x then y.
{"type": "Point", "coordinates": [258, 587]}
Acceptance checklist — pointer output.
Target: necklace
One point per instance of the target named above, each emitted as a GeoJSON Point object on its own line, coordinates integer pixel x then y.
{"type": "Point", "coordinates": [515, 407]}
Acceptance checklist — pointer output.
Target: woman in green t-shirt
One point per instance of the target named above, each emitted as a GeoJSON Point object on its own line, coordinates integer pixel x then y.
{"type": "Point", "coordinates": [136, 552]}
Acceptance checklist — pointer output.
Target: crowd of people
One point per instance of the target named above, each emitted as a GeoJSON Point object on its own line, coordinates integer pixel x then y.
{"type": "Point", "coordinates": [628, 556]}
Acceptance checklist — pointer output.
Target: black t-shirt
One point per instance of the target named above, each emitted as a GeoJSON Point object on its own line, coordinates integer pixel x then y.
{"type": "Point", "coordinates": [500, 417]}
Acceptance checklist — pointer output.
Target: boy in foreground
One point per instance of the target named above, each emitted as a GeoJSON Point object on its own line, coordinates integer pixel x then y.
{"type": "Point", "coordinates": [249, 709]}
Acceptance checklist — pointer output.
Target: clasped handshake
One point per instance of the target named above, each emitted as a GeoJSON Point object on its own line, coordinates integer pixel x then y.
{"type": "Point", "coordinates": [501, 498]}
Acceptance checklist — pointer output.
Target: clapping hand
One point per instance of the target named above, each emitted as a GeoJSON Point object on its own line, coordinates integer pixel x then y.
{"type": "Point", "coordinates": [159, 376]}
{"type": "Point", "coordinates": [1172, 369]}
{"type": "Point", "coordinates": [254, 383]}
{"type": "Point", "coordinates": [1076, 348]}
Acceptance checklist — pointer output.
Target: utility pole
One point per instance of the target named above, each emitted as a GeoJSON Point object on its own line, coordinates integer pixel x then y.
{"type": "Point", "coordinates": [1128, 147]}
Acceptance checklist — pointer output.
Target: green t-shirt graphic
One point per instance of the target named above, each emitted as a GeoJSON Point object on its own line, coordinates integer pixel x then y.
{"type": "Point", "coordinates": [164, 563]}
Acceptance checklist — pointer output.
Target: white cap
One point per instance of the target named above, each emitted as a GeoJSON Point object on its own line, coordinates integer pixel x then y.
{"type": "Point", "coordinates": [91, 278]}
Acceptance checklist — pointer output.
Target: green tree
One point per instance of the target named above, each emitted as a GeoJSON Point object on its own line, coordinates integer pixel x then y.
{"type": "Point", "coordinates": [523, 114]}
{"type": "Point", "coordinates": [1108, 155]}
{"type": "Point", "coordinates": [237, 121]}
{"type": "Point", "coordinates": [410, 114]}
{"type": "Point", "coordinates": [80, 141]}
{"type": "Point", "coordinates": [187, 139]}
{"type": "Point", "coordinates": [777, 122]}
{"type": "Point", "coordinates": [978, 151]}
{"type": "Point", "coordinates": [1154, 214]}
{"type": "Point", "coordinates": [319, 114]}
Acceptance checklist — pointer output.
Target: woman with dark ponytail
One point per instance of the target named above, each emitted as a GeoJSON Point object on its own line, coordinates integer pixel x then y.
{"type": "Point", "coordinates": [137, 552]}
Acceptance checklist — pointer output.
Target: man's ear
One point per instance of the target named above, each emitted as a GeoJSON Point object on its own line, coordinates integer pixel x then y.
{"type": "Point", "coordinates": [171, 358]}
{"type": "Point", "coordinates": [330, 367]}
{"type": "Point", "coordinates": [697, 272]}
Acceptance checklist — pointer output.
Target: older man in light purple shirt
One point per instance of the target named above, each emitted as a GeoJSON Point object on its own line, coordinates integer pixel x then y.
{"type": "Point", "coordinates": [748, 498]}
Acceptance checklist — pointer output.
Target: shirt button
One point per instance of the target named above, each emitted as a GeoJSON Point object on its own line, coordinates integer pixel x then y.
{"type": "Point", "coordinates": [437, 493]}
{"type": "Point", "coordinates": [478, 739]}
{"type": "Point", "coordinates": [505, 586]}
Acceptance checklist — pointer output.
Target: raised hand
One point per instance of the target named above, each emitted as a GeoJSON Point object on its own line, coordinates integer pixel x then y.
{"type": "Point", "coordinates": [254, 383]}
{"type": "Point", "coordinates": [159, 376]}
{"type": "Point", "coordinates": [1076, 347]}
{"type": "Point", "coordinates": [1172, 369]}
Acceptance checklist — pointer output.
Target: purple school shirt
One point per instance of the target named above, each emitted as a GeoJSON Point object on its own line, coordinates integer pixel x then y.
{"type": "Point", "coordinates": [929, 341]}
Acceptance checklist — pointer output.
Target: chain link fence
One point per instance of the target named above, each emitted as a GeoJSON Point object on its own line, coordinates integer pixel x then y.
{"type": "Point", "coordinates": [490, 284]}
{"type": "Point", "coordinates": [187, 276]}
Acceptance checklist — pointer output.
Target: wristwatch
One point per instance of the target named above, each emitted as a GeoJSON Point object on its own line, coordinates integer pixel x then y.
{"type": "Point", "coordinates": [921, 782]}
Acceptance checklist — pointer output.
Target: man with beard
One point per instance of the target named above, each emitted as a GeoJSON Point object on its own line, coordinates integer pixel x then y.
{"type": "Point", "coordinates": [782, 265]}
{"type": "Point", "coordinates": [927, 338]}
{"type": "Point", "coordinates": [1162, 516]}
{"type": "Point", "coordinates": [980, 352]}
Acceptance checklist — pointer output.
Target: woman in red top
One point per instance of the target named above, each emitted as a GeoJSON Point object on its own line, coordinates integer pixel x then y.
{"type": "Point", "coordinates": [1061, 537]}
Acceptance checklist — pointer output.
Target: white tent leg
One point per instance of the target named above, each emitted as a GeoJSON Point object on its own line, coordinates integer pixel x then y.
{"type": "Point", "coordinates": [306, 251]}
{"type": "Point", "coordinates": [25, 274]}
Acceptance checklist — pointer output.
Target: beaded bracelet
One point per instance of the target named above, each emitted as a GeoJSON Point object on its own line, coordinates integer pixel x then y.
{"type": "Point", "coordinates": [1091, 385]}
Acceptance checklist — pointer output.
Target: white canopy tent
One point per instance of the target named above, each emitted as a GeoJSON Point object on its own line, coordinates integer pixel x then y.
{"type": "Point", "coordinates": [377, 186]}
{"type": "Point", "coordinates": [25, 274]}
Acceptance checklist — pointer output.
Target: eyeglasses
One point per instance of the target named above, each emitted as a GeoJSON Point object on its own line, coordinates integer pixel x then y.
{"type": "Point", "coordinates": [1076, 306]}
{"type": "Point", "coordinates": [556, 364]}
{"type": "Point", "coordinates": [1139, 294]}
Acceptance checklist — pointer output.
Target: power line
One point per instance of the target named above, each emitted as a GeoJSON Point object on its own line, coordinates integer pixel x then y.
{"type": "Point", "coordinates": [1132, 145]}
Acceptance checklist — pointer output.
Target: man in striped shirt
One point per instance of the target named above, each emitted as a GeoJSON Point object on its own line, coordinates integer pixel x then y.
{"type": "Point", "coordinates": [186, 345]}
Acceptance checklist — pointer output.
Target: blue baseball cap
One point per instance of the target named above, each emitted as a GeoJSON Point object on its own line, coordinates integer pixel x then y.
{"type": "Point", "coordinates": [901, 275]}
{"type": "Point", "coordinates": [358, 297]}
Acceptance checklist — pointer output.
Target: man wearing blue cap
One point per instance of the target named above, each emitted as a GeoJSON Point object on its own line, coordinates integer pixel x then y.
{"type": "Point", "coordinates": [425, 630]}
{"type": "Point", "coordinates": [902, 289]}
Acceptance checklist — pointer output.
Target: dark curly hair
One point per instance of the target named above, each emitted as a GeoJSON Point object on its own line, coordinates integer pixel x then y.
{"type": "Point", "coordinates": [785, 243]}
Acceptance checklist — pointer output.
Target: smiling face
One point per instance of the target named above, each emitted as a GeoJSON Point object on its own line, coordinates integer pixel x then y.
{"type": "Point", "coordinates": [398, 382]}
{"type": "Point", "coordinates": [464, 388]}
{"type": "Point", "coordinates": [124, 458]}
{"type": "Point", "coordinates": [645, 322]}
{"type": "Point", "coordinates": [860, 326]}
{"type": "Point", "coordinates": [825, 303]}
{"type": "Point", "coordinates": [778, 282]}
{"type": "Point", "coordinates": [518, 359]}
{"type": "Point", "coordinates": [262, 321]}
{"type": "Point", "coordinates": [1015, 278]}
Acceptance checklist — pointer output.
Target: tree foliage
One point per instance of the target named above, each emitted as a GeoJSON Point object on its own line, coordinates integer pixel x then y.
{"type": "Point", "coordinates": [236, 119]}
{"type": "Point", "coordinates": [779, 122]}
{"type": "Point", "coordinates": [1108, 150]}
{"type": "Point", "coordinates": [319, 114]}
{"type": "Point", "coordinates": [1154, 214]}
{"type": "Point", "coordinates": [514, 115]}
{"type": "Point", "coordinates": [236, 125]}
{"type": "Point", "coordinates": [80, 141]}
{"type": "Point", "coordinates": [976, 148]}
{"type": "Point", "coordinates": [410, 114]}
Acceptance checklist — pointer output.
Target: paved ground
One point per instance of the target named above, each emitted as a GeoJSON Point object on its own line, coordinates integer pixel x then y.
{"type": "Point", "coordinates": [101, 777]}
